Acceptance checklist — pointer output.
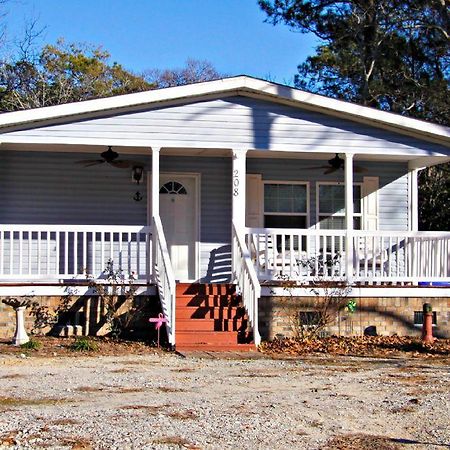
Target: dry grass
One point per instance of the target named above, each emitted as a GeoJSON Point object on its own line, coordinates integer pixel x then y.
{"type": "Point", "coordinates": [15, 401]}
{"type": "Point", "coordinates": [170, 389]}
{"type": "Point", "coordinates": [408, 379]}
{"type": "Point", "coordinates": [175, 440]}
{"type": "Point", "coordinates": [183, 415]}
{"type": "Point", "coordinates": [361, 442]}
{"type": "Point", "coordinates": [128, 390]}
{"type": "Point", "coordinates": [150, 409]}
{"type": "Point", "coordinates": [64, 422]}
{"type": "Point", "coordinates": [77, 443]}
{"type": "Point", "coordinates": [89, 389]}
{"type": "Point", "coordinates": [8, 439]}
{"type": "Point", "coordinates": [13, 376]}
{"type": "Point", "coordinates": [183, 369]}
{"type": "Point", "coordinates": [257, 375]}
{"type": "Point", "coordinates": [123, 370]}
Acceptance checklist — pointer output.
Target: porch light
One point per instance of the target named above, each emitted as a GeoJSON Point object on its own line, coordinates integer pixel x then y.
{"type": "Point", "coordinates": [137, 173]}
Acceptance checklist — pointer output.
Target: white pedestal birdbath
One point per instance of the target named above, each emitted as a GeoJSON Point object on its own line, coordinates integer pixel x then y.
{"type": "Point", "coordinates": [20, 336]}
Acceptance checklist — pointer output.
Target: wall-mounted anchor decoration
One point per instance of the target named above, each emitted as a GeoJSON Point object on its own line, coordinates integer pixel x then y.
{"type": "Point", "coordinates": [137, 174]}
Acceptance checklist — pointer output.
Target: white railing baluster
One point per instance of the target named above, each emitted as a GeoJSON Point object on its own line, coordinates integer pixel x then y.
{"type": "Point", "coordinates": [48, 234]}
{"type": "Point", "coordinates": [58, 267]}
{"type": "Point", "coordinates": [2, 255]}
{"type": "Point", "coordinates": [66, 253]}
{"type": "Point", "coordinates": [75, 252]}
{"type": "Point", "coordinates": [85, 252]}
{"type": "Point", "coordinates": [39, 252]}
{"type": "Point", "coordinates": [20, 252]}
{"type": "Point", "coordinates": [102, 251]}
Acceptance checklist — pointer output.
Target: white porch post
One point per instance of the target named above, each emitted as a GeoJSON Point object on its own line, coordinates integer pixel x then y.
{"type": "Point", "coordinates": [413, 200]}
{"type": "Point", "coordinates": [155, 203]}
{"type": "Point", "coordinates": [238, 194]}
{"type": "Point", "coordinates": [238, 187]}
{"type": "Point", "coordinates": [155, 181]}
{"type": "Point", "coordinates": [349, 216]}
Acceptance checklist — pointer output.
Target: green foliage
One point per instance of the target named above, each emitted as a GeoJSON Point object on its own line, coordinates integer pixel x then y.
{"type": "Point", "coordinates": [64, 73]}
{"type": "Point", "coordinates": [393, 55]}
{"type": "Point", "coordinates": [389, 54]}
{"type": "Point", "coordinates": [84, 344]}
{"type": "Point", "coordinates": [434, 195]}
{"type": "Point", "coordinates": [32, 344]}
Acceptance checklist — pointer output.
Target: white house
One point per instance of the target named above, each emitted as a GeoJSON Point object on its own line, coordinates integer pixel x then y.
{"type": "Point", "coordinates": [235, 181]}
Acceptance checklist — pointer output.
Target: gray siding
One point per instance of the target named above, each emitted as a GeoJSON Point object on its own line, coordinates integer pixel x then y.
{"type": "Point", "coordinates": [51, 188]}
{"type": "Point", "coordinates": [236, 121]}
{"type": "Point", "coordinates": [393, 194]}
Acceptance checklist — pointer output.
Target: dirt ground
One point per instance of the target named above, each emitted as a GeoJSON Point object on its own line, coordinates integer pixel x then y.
{"type": "Point", "coordinates": [130, 396]}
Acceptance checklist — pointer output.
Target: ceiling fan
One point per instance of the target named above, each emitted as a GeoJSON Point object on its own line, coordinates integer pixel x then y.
{"type": "Point", "coordinates": [110, 157]}
{"type": "Point", "coordinates": [337, 163]}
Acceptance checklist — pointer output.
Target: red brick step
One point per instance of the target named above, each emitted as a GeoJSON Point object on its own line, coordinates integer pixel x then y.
{"type": "Point", "coordinates": [209, 318]}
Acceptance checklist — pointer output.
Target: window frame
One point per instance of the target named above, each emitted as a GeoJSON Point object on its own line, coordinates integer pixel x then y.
{"type": "Point", "coordinates": [338, 183]}
{"type": "Point", "coordinates": [288, 214]}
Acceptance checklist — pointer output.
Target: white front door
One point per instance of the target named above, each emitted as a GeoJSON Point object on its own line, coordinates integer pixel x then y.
{"type": "Point", "coordinates": [178, 211]}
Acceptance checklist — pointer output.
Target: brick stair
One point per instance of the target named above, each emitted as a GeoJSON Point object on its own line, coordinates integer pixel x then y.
{"type": "Point", "coordinates": [209, 317]}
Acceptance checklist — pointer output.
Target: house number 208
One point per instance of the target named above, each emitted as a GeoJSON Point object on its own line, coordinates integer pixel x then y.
{"type": "Point", "coordinates": [235, 183]}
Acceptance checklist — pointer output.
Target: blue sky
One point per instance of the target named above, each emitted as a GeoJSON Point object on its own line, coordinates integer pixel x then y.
{"type": "Point", "coordinates": [144, 34]}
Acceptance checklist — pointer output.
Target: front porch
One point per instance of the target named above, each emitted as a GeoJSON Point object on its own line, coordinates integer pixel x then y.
{"type": "Point", "coordinates": [236, 181]}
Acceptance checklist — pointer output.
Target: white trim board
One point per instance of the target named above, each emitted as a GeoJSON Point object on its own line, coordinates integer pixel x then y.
{"type": "Point", "coordinates": [379, 292]}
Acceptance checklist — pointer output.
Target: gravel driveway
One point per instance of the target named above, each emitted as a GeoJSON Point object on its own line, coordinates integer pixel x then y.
{"type": "Point", "coordinates": [166, 401]}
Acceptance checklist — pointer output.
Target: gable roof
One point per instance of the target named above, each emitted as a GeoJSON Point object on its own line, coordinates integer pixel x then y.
{"type": "Point", "coordinates": [239, 85]}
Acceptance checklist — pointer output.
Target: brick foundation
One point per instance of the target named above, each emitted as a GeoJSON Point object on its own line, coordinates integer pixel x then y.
{"type": "Point", "coordinates": [83, 314]}
{"type": "Point", "coordinates": [389, 316]}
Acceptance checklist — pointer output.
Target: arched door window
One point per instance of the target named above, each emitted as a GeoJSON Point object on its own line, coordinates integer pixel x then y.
{"type": "Point", "coordinates": [173, 187]}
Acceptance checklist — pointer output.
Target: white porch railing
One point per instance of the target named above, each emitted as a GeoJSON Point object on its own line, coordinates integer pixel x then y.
{"type": "Point", "coordinates": [422, 256]}
{"type": "Point", "coordinates": [247, 280]}
{"type": "Point", "coordinates": [72, 251]}
{"type": "Point", "coordinates": [164, 278]}
{"type": "Point", "coordinates": [378, 256]}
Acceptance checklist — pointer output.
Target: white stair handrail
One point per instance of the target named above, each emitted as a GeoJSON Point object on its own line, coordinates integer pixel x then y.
{"type": "Point", "coordinates": [164, 277]}
{"type": "Point", "coordinates": [247, 281]}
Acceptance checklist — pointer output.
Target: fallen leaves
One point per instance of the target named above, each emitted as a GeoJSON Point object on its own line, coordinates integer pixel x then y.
{"type": "Point", "coordinates": [358, 346]}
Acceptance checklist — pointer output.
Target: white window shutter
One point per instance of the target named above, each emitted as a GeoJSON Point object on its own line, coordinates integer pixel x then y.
{"type": "Point", "coordinates": [254, 200]}
{"type": "Point", "coordinates": [370, 203]}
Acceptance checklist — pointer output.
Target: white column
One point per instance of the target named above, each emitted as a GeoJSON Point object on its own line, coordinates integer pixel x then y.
{"type": "Point", "coordinates": [155, 181]}
{"type": "Point", "coordinates": [155, 205]}
{"type": "Point", "coordinates": [349, 215]}
{"type": "Point", "coordinates": [413, 200]}
{"type": "Point", "coordinates": [238, 187]}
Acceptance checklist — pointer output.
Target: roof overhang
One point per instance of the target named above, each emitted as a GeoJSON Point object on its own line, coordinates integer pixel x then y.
{"type": "Point", "coordinates": [240, 85]}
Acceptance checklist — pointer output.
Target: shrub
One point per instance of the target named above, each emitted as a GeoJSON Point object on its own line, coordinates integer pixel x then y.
{"type": "Point", "coordinates": [83, 344]}
{"type": "Point", "coordinates": [32, 344]}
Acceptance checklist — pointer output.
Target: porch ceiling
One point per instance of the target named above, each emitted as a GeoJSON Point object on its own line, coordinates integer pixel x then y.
{"type": "Point", "coordinates": [413, 160]}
